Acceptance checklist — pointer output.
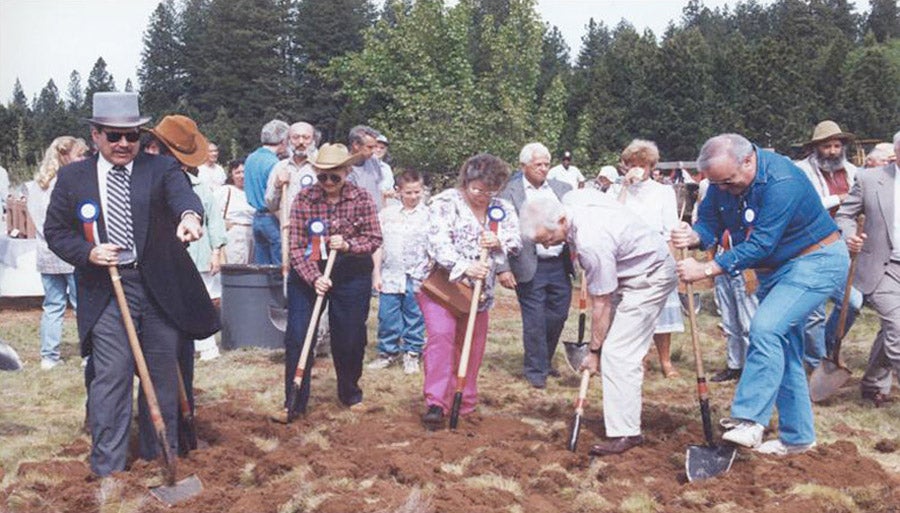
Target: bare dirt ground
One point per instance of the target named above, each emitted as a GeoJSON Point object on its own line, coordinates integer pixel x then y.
{"type": "Point", "coordinates": [508, 456]}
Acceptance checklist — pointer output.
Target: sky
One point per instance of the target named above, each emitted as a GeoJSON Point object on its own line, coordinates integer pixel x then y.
{"type": "Point", "coordinates": [44, 39]}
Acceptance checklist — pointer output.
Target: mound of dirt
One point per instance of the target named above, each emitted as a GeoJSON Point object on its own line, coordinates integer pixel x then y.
{"type": "Point", "coordinates": [335, 460]}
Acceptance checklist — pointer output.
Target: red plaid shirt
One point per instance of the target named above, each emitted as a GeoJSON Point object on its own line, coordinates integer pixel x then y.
{"type": "Point", "coordinates": [354, 217]}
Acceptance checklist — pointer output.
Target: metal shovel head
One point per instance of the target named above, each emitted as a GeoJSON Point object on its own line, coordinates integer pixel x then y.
{"type": "Point", "coordinates": [181, 491]}
{"type": "Point", "coordinates": [575, 353]}
{"type": "Point", "coordinates": [827, 379]}
{"type": "Point", "coordinates": [703, 461]}
{"type": "Point", "coordinates": [9, 359]}
{"type": "Point", "coordinates": [278, 317]}
{"type": "Point", "coordinates": [574, 432]}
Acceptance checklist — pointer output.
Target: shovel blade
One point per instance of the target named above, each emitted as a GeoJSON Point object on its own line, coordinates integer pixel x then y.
{"type": "Point", "coordinates": [9, 359]}
{"type": "Point", "coordinates": [703, 461]}
{"type": "Point", "coordinates": [827, 379]}
{"type": "Point", "coordinates": [575, 431]}
{"type": "Point", "coordinates": [575, 353]}
{"type": "Point", "coordinates": [181, 491]}
{"type": "Point", "coordinates": [278, 317]}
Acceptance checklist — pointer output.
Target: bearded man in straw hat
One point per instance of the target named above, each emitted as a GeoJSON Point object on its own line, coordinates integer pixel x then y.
{"type": "Point", "coordinates": [119, 209]}
{"type": "Point", "coordinates": [832, 177]}
{"type": "Point", "coordinates": [332, 214]}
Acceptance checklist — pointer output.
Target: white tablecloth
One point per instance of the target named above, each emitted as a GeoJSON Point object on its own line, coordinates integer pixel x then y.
{"type": "Point", "coordinates": [18, 267]}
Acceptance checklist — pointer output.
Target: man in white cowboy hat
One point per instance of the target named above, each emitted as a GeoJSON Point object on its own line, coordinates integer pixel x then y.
{"type": "Point", "coordinates": [331, 214]}
{"type": "Point", "coordinates": [119, 209]}
{"type": "Point", "coordinates": [832, 177]}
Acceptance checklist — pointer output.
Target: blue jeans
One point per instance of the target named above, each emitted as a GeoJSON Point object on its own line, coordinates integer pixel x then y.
{"type": "Point", "coordinates": [401, 326]}
{"type": "Point", "coordinates": [266, 240]}
{"type": "Point", "coordinates": [737, 309]}
{"type": "Point", "coordinates": [58, 289]}
{"type": "Point", "coordinates": [819, 336]}
{"type": "Point", "coordinates": [773, 373]}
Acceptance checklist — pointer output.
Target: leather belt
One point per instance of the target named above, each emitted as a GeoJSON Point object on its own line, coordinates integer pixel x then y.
{"type": "Point", "coordinates": [830, 239]}
{"type": "Point", "coordinates": [130, 265]}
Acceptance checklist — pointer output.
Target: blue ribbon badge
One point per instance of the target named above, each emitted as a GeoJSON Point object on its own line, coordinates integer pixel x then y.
{"type": "Point", "coordinates": [316, 235]}
{"type": "Point", "coordinates": [495, 215]}
{"type": "Point", "coordinates": [88, 212]}
{"type": "Point", "coordinates": [306, 181]}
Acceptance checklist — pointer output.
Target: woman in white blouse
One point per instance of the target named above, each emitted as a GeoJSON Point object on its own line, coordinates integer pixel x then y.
{"type": "Point", "coordinates": [655, 204]}
{"type": "Point", "coordinates": [238, 215]}
{"type": "Point", "coordinates": [57, 276]}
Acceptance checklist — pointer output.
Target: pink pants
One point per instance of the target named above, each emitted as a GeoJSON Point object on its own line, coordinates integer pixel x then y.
{"type": "Point", "coordinates": [441, 355]}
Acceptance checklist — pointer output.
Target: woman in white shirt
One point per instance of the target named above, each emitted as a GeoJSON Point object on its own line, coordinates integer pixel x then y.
{"type": "Point", "coordinates": [655, 204]}
{"type": "Point", "coordinates": [238, 215]}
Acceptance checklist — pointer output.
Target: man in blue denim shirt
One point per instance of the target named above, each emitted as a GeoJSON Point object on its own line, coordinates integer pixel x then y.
{"type": "Point", "coordinates": [780, 228]}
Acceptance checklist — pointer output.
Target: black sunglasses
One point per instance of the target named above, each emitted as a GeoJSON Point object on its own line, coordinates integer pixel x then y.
{"type": "Point", "coordinates": [324, 177]}
{"type": "Point", "coordinates": [115, 137]}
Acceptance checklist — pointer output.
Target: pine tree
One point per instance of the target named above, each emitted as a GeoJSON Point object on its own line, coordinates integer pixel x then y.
{"type": "Point", "coordinates": [74, 92]}
{"type": "Point", "coordinates": [161, 74]}
{"type": "Point", "coordinates": [99, 80]}
{"type": "Point", "coordinates": [19, 100]}
{"type": "Point", "coordinates": [884, 20]}
{"type": "Point", "coordinates": [871, 101]}
{"type": "Point", "coordinates": [50, 116]}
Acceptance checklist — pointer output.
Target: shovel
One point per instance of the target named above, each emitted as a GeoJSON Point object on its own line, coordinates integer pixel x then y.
{"type": "Point", "coordinates": [171, 493]}
{"type": "Point", "coordinates": [278, 314]}
{"type": "Point", "coordinates": [710, 460]}
{"type": "Point", "coordinates": [575, 353]}
{"type": "Point", "coordinates": [294, 398]}
{"type": "Point", "coordinates": [832, 374]}
{"type": "Point", "coordinates": [466, 348]}
{"type": "Point", "coordinates": [188, 431]}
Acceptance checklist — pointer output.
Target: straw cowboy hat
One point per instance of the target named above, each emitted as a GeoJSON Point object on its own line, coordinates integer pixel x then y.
{"type": "Point", "coordinates": [331, 156]}
{"type": "Point", "coordinates": [827, 130]}
{"type": "Point", "coordinates": [181, 135]}
{"type": "Point", "coordinates": [117, 110]}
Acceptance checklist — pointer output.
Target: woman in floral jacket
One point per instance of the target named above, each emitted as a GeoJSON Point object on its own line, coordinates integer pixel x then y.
{"type": "Point", "coordinates": [458, 231]}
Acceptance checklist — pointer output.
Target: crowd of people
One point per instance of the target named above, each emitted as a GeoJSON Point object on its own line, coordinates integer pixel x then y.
{"type": "Point", "coordinates": [345, 226]}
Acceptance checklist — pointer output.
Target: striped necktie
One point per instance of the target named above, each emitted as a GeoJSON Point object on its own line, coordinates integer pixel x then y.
{"type": "Point", "coordinates": [118, 216]}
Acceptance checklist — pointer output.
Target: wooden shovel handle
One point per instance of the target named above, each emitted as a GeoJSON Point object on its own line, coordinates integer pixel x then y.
{"type": "Point", "coordinates": [470, 327]}
{"type": "Point", "coordinates": [140, 364]}
{"type": "Point", "coordinates": [702, 389]}
{"type": "Point", "coordinates": [285, 230]}
{"type": "Point", "coordinates": [845, 305]}
{"type": "Point", "coordinates": [311, 328]}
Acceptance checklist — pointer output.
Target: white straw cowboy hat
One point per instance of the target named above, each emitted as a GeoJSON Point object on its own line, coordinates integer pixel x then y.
{"type": "Point", "coordinates": [828, 130]}
{"type": "Point", "coordinates": [331, 156]}
{"type": "Point", "coordinates": [181, 135]}
{"type": "Point", "coordinates": [117, 110]}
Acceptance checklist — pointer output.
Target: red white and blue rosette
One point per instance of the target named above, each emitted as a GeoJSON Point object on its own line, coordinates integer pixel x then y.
{"type": "Point", "coordinates": [496, 214]}
{"type": "Point", "coordinates": [315, 249]}
{"type": "Point", "coordinates": [88, 212]}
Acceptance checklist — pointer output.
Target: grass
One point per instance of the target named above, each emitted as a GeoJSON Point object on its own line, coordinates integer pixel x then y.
{"type": "Point", "coordinates": [42, 413]}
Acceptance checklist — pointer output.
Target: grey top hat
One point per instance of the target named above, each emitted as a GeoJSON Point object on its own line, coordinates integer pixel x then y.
{"type": "Point", "coordinates": [117, 110]}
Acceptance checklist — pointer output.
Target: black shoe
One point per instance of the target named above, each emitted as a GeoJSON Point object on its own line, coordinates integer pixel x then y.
{"type": "Point", "coordinates": [726, 375]}
{"type": "Point", "coordinates": [877, 398]}
{"type": "Point", "coordinates": [616, 445]}
{"type": "Point", "coordinates": [434, 417]}
{"type": "Point", "coordinates": [553, 373]}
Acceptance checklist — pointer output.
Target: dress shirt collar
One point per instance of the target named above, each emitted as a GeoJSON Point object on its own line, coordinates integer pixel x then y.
{"type": "Point", "coordinates": [528, 185]}
{"type": "Point", "coordinates": [104, 165]}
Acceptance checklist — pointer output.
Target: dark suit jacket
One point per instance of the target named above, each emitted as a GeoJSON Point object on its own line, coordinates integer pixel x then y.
{"type": "Point", "coordinates": [524, 265]}
{"type": "Point", "coordinates": [160, 194]}
{"type": "Point", "coordinates": [872, 194]}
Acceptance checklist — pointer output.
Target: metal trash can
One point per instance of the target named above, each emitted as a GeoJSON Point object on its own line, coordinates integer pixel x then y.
{"type": "Point", "coordinates": [247, 293]}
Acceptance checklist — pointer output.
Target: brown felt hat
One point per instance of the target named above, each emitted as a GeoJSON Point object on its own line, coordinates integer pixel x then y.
{"type": "Point", "coordinates": [828, 130]}
{"type": "Point", "coordinates": [181, 135]}
{"type": "Point", "coordinates": [331, 156]}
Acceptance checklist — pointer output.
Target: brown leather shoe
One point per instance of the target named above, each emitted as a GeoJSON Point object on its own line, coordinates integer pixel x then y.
{"type": "Point", "coordinates": [616, 445]}
{"type": "Point", "coordinates": [877, 397]}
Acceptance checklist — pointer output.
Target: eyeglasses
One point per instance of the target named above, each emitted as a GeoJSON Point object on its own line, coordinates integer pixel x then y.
{"type": "Point", "coordinates": [333, 177]}
{"type": "Point", "coordinates": [115, 137]}
{"type": "Point", "coordinates": [483, 192]}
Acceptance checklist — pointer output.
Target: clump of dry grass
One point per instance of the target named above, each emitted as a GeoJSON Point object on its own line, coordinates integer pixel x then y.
{"type": "Point", "coordinates": [496, 482]}
{"type": "Point", "coordinates": [836, 501]}
{"type": "Point", "coordinates": [639, 502]}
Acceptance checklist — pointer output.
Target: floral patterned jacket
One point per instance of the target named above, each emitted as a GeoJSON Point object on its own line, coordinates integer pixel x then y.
{"type": "Point", "coordinates": [454, 235]}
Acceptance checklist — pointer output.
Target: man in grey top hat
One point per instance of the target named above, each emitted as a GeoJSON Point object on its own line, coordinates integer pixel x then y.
{"type": "Point", "coordinates": [134, 211]}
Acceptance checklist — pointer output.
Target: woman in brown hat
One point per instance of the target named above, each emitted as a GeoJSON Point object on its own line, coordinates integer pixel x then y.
{"type": "Point", "coordinates": [180, 138]}
{"type": "Point", "coordinates": [331, 214]}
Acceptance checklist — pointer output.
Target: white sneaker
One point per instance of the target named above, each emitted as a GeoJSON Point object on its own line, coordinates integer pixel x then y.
{"type": "Point", "coordinates": [746, 433]}
{"type": "Point", "coordinates": [209, 354]}
{"type": "Point", "coordinates": [382, 362]}
{"type": "Point", "coordinates": [410, 363]}
{"type": "Point", "coordinates": [47, 364]}
{"type": "Point", "coordinates": [779, 448]}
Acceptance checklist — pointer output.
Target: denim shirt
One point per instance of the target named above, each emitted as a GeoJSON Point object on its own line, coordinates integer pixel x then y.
{"type": "Point", "coordinates": [776, 218]}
